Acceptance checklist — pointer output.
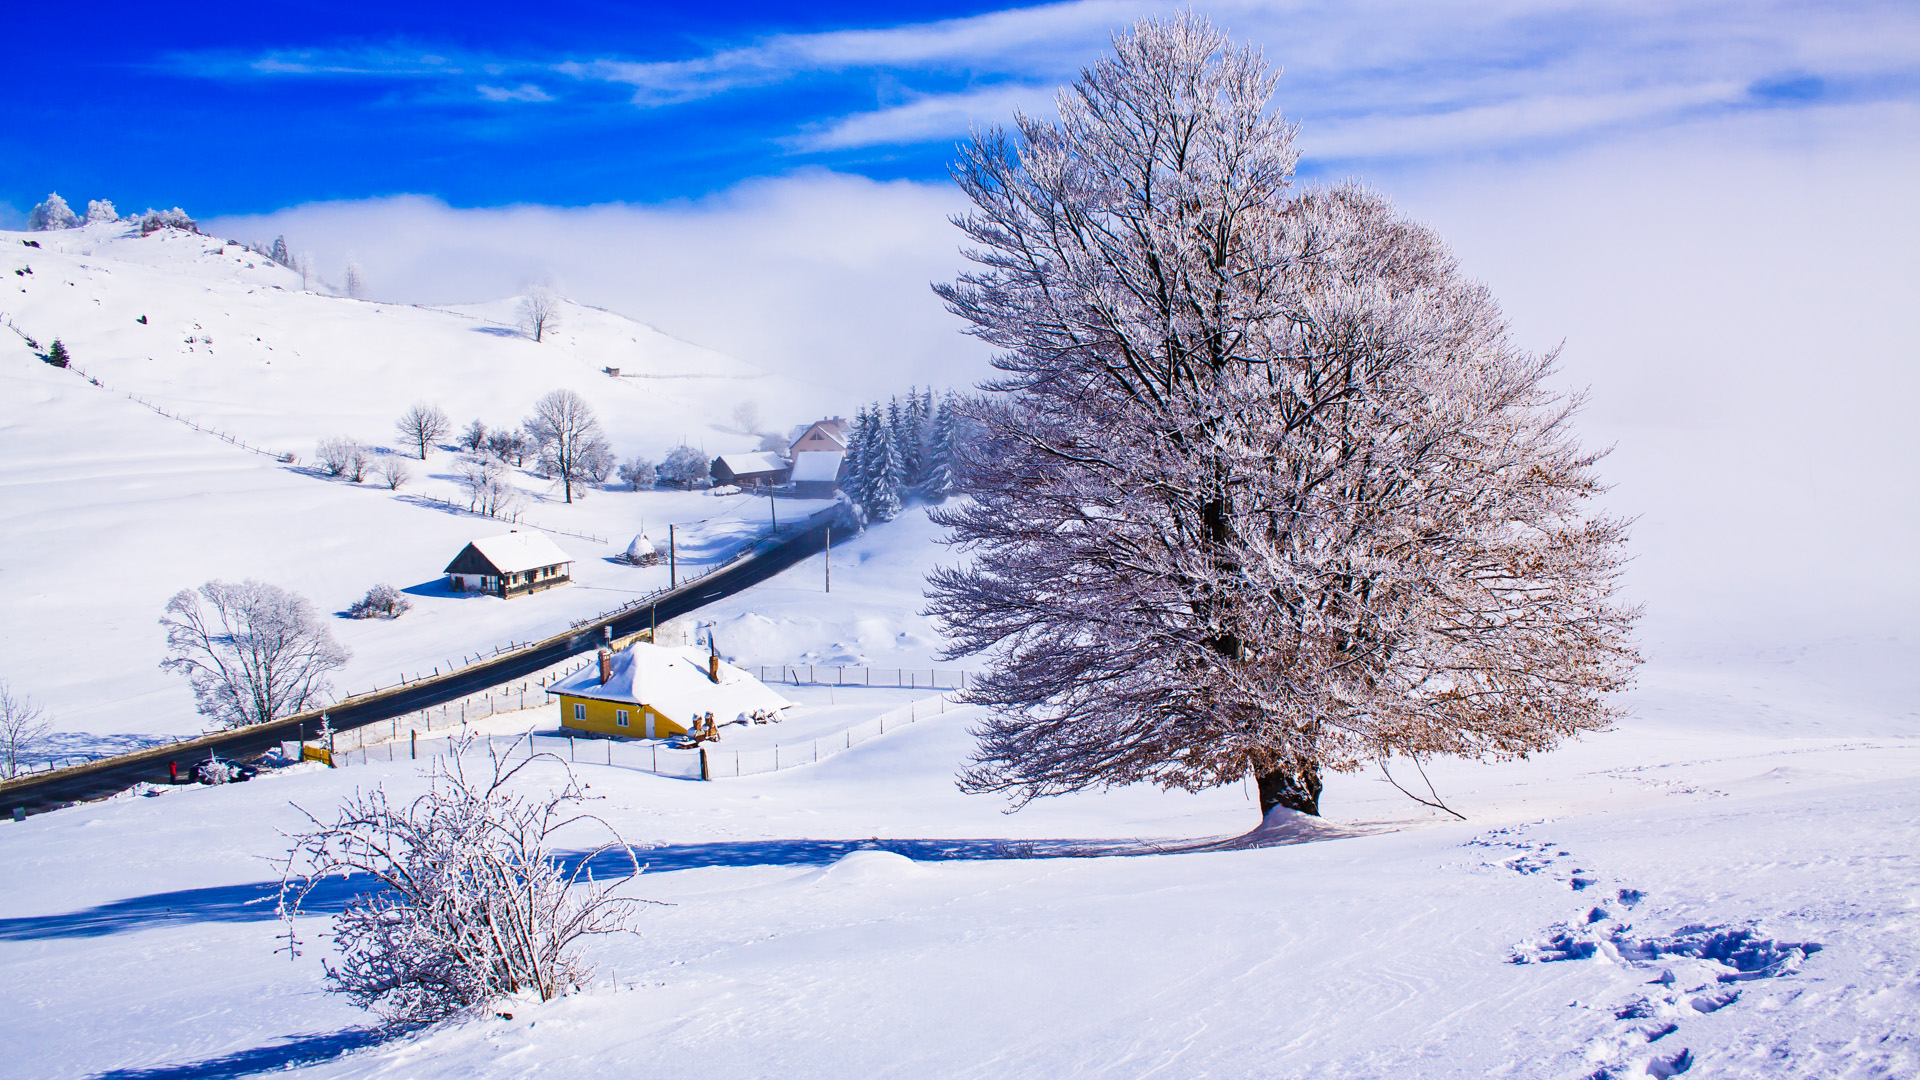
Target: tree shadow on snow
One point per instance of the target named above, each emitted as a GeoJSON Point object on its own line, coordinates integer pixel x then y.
{"type": "Point", "coordinates": [253, 902]}
{"type": "Point", "coordinates": [289, 1053]}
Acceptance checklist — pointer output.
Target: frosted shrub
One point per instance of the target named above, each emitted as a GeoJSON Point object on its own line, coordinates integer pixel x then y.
{"type": "Point", "coordinates": [101, 210]}
{"type": "Point", "coordinates": [637, 473]}
{"type": "Point", "coordinates": [467, 901]}
{"type": "Point", "coordinates": [684, 466]}
{"type": "Point", "coordinates": [381, 602]}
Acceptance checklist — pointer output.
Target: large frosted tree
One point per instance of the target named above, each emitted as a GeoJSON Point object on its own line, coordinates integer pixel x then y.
{"type": "Point", "coordinates": [1263, 485]}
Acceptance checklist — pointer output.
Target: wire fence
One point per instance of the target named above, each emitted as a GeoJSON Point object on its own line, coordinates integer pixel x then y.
{"type": "Point", "coordinates": [709, 762]}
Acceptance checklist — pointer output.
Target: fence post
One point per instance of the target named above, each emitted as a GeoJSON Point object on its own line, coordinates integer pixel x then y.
{"type": "Point", "coordinates": [705, 772]}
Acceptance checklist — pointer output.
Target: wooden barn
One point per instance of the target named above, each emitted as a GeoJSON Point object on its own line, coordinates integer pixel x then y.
{"type": "Point", "coordinates": [653, 691]}
{"type": "Point", "coordinates": [762, 469]}
{"type": "Point", "coordinates": [513, 564]}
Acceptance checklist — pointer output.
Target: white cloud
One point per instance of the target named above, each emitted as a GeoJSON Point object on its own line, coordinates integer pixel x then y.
{"type": "Point", "coordinates": [818, 275]}
{"type": "Point", "coordinates": [524, 92]}
{"type": "Point", "coordinates": [933, 116]}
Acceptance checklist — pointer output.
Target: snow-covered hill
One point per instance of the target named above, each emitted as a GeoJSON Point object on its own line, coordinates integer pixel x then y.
{"type": "Point", "coordinates": [114, 499]}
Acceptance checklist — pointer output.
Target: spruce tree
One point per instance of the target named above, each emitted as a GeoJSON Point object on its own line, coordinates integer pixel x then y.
{"type": "Point", "coordinates": [943, 482]}
{"type": "Point", "coordinates": [57, 355]}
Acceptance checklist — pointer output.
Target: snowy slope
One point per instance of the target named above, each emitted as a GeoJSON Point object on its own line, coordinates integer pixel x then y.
{"type": "Point", "coordinates": [111, 507]}
{"type": "Point", "coordinates": [1569, 929]}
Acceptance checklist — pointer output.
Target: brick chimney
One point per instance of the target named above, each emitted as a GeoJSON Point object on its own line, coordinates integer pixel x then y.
{"type": "Point", "coordinates": [713, 667]}
{"type": "Point", "coordinates": [606, 666]}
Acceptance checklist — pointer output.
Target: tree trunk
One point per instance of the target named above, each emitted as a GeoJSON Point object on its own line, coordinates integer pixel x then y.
{"type": "Point", "coordinates": [1295, 791]}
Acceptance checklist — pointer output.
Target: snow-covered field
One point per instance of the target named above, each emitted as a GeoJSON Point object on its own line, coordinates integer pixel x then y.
{"type": "Point", "coordinates": [111, 507]}
{"type": "Point", "coordinates": [1727, 884]}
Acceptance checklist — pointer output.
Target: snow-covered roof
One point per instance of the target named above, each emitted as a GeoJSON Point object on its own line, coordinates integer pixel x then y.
{"type": "Point", "coordinates": [672, 680]}
{"type": "Point", "coordinates": [817, 465]}
{"type": "Point", "coordinates": [641, 547]}
{"type": "Point", "coordinates": [510, 553]}
{"type": "Point", "coordinates": [763, 461]}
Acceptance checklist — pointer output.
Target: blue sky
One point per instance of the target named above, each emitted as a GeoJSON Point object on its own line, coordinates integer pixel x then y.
{"type": "Point", "coordinates": [237, 109]}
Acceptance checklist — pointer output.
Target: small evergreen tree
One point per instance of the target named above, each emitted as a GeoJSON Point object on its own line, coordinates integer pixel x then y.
{"type": "Point", "coordinates": [881, 495]}
{"type": "Point", "coordinates": [280, 254]}
{"type": "Point", "coordinates": [943, 481]}
{"type": "Point", "coordinates": [57, 355]}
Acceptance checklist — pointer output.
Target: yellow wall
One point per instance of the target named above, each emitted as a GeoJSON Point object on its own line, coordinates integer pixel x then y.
{"type": "Point", "coordinates": [601, 720]}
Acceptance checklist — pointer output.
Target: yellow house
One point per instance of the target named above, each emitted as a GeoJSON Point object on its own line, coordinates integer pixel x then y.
{"type": "Point", "coordinates": [652, 691]}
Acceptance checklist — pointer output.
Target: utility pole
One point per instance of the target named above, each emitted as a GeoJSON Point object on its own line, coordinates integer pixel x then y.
{"type": "Point", "coordinates": [829, 559]}
{"type": "Point", "coordinates": [772, 509]}
{"type": "Point", "coordinates": [673, 560]}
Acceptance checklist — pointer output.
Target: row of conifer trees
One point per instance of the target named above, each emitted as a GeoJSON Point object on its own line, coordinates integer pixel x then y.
{"type": "Point", "coordinates": [903, 450]}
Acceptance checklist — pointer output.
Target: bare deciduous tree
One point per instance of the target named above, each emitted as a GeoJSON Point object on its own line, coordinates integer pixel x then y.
{"type": "Point", "coordinates": [253, 652]}
{"type": "Point", "coordinates": [540, 312]}
{"type": "Point", "coordinates": [473, 901]}
{"type": "Point", "coordinates": [392, 472]}
{"type": "Point", "coordinates": [489, 486]}
{"type": "Point", "coordinates": [22, 723]}
{"type": "Point", "coordinates": [746, 417]}
{"type": "Point", "coordinates": [1264, 486]}
{"type": "Point", "coordinates": [572, 445]}
{"type": "Point", "coordinates": [422, 425]}
{"type": "Point", "coordinates": [343, 457]}
{"type": "Point", "coordinates": [474, 436]}
{"type": "Point", "coordinates": [356, 281]}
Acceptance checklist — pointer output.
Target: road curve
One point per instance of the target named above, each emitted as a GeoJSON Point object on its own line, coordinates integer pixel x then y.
{"type": "Point", "coordinates": [97, 779]}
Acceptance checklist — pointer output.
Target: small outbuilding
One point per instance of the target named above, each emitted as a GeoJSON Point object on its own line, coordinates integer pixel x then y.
{"type": "Point", "coordinates": [509, 565]}
{"type": "Point", "coordinates": [653, 691]}
{"type": "Point", "coordinates": [817, 473]}
{"type": "Point", "coordinates": [761, 469]}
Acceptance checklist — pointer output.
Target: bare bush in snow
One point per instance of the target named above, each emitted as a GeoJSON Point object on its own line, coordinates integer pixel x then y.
{"type": "Point", "coordinates": [637, 474]}
{"type": "Point", "coordinates": [253, 652]}
{"type": "Point", "coordinates": [392, 472]}
{"type": "Point", "coordinates": [473, 902]}
{"type": "Point", "coordinates": [343, 457]}
{"type": "Point", "coordinates": [572, 445]}
{"type": "Point", "coordinates": [509, 445]}
{"type": "Point", "coordinates": [422, 425]}
{"type": "Point", "coordinates": [489, 486]}
{"type": "Point", "coordinates": [381, 602]}
{"type": "Point", "coordinates": [540, 312]}
{"type": "Point", "coordinates": [22, 723]}
{"type": "Point", "coordinates": [1263, 486]}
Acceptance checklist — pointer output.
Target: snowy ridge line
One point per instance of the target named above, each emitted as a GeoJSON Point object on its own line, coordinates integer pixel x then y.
{"type": "Point", "coordinates": [290, 728]}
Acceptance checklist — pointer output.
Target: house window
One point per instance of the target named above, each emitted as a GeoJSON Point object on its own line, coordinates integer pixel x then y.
{"type": "Point", "coordinates": [579, 711]}
{"type": "Point", "coordinates": [620, 717]}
